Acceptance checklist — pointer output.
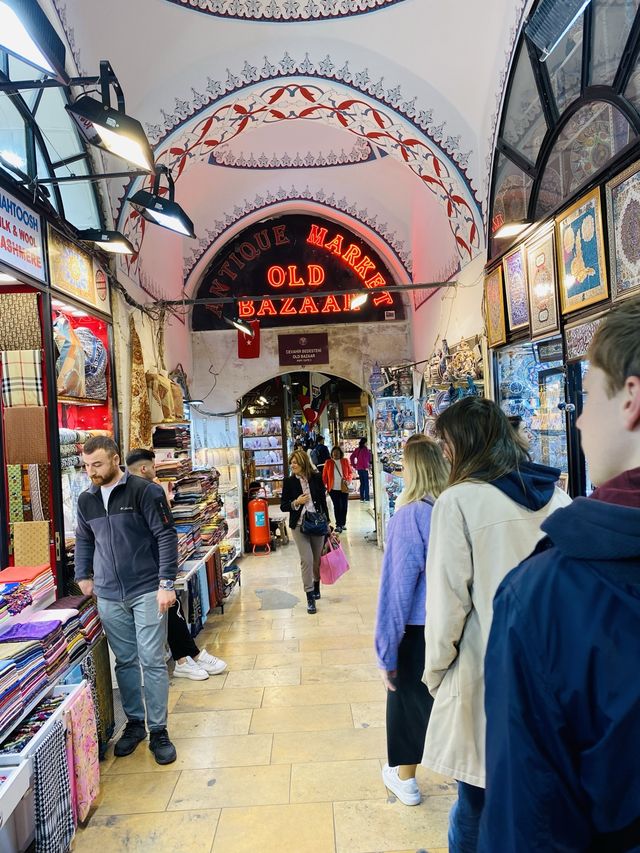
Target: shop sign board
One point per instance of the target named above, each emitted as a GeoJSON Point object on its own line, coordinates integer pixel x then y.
{"type": "Point", "coordinates": [75, 273]}
{"type": "Point", "coordinates": [21, 237]}
{"type": "Point", "coordinates": [303, 350]}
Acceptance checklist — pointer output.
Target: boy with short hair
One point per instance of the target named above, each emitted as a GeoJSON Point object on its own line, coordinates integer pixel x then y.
{"type": "Point", "coordinates": [561, 670]}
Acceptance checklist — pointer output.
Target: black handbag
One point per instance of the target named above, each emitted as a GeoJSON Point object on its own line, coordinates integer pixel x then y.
{"type": "Point", "coordinates": [315, 524]}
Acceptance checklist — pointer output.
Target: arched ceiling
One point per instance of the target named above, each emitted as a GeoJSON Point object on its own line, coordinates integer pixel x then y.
{"type": "Point", "coordinates": [383, 111]}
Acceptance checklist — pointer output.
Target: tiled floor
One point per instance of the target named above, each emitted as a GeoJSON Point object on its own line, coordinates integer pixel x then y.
{"type": "Point", "coordinates": [282, 753]}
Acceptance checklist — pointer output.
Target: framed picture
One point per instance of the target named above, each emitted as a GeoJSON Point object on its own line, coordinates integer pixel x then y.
{"type": "Point", "coordinates": [623, 212]}
{"type": "Point", "coordinates": [581, 263]}
{"type": "Point", "coordinates": [543, 294]}
{"type": "Point", "coordinates": [494, 306]}
{"type": "Point", "coordinates": [515, 285]}
{"type": "Point", "coordinates": [578, 337]}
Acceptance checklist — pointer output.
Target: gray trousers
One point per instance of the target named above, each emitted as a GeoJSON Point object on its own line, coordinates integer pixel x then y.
{"type": "Point", "coordinates": [310, 550]}
{"type": "Point", "coordinates": [137, 636]}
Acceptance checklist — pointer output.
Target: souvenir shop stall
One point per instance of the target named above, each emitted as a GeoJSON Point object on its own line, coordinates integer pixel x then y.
{"type": "Point", "coordinates": [56, 702]}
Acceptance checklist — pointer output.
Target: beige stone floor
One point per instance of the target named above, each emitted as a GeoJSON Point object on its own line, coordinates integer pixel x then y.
{"type": "Point", "coordinates": [281, 754]}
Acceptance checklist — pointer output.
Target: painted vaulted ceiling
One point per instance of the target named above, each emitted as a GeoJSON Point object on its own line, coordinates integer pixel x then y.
{"type": "Point", "coordinates": [379, 114]}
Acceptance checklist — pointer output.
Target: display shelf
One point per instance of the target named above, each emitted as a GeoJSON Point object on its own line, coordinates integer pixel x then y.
{"type": "Point", "coordinates": [12, 620]}
{"type": "Point", "coordinates": [262, 435]}
{"type": "Point", "coordinates": [193, 566]}
{"type": "Point", "coordinates": [80, 401]}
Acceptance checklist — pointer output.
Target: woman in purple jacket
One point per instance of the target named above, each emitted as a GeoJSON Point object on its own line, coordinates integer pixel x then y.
{"type": "Point", "coordinates": [399, 641]}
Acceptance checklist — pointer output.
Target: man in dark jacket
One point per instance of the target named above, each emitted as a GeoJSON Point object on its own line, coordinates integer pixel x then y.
{"type": "Point", "coordinates": [320, 454]}
{"type": "Point", "coordinates": [561, 671]}
{"type": "Point", "coordinates": [127, 555]}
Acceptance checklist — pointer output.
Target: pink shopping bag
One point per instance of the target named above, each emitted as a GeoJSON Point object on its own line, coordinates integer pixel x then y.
{"type": "Point", "coordinates": [333, 563]}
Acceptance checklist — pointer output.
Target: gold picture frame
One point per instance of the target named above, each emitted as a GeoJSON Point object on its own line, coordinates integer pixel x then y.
{"type": "Point", "coordinates": [514, 271]}
{"type": "Point", "coordinates": [494, 307]}
{"type": "Point", "coordinates": [582, 271]}
{"type": "Point", "coordinates": [544, 314]}
{"type": "Point", "coordinates": [623, 224]}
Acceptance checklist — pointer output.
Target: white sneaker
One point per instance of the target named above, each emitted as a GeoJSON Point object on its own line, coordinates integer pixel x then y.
{"type": "Point", "coordinates": [190, 669]}
{"type": "Point", "coordinates": [406, 790]}
{"type": "Point", "coordinates": [210, 664]}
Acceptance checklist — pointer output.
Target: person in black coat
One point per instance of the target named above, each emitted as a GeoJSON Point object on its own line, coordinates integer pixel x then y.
{"type": "Point", "coordinates": [304, 492]}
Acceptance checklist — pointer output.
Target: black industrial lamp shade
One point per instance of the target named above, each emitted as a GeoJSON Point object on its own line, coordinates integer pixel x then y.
{"type": "Point", "coordinates": [162, 211]}
{"type": "Point", "coordinates": [109, 241]}
{"type": "Point", "coordinates": [112, 130]}
{"type": "Point", "coordinates": [27, 33]}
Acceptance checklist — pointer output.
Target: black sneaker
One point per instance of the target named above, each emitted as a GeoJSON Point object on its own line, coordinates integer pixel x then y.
{"type": "Point", "coordinates": [311, 603]}
{"type": "Point", "coordinates": [133, 733]}
{"type": "Point", "coordinates": [163, 750]}
{"type": "Point", "coordinates": [316, 590]}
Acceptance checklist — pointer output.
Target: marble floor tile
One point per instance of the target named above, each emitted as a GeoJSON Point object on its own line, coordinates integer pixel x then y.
{"type": "Point", "coordinates": [185, 685]}
{"type": "Point", "coordinates": [369, 714]}
{"type": "Point", "coordinates": [338, 673]}
{"type": "Point", "coordinates": [220, 700]}
{"type": "Point", "coordinates": [291, 659]}
{"type": "Point", "coordinates": [328, 781]}
{"type": "Point", "coordinates": [330, 657]}
{"type": "Point", "coordinates": [251, 647]}
{"type": "Point", "coordinates": [211, 723]}
{"type": "Point", "coordinates": [231, 786]}
{"type": "Point", "coordinates": [139, 793]}
{"type": "Point", "coordinates": [367, 826]}
{"type": "Point", "coordinates": [323, 694]}
{"type": "Point", "coordinates": [275, 677]}
{"type": "Point", "coordinates": [304, 718]}
{"type": "Point", "coordinates": [195, 753]}
{"type": "Point", "coordinates": [141, 833]}
{"type": "Point", "coordinates": [345, 745]}
{"type": "Point", "coordinates": [276, 829]}
{"type": "Point", "coordinates": [346, 641]}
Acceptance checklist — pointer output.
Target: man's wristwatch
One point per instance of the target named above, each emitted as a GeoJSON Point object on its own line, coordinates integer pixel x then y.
{"type": "Point", "coordinates": [167, 584]}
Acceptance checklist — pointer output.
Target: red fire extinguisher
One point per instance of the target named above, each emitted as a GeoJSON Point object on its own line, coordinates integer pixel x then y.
{"type": "Point", "coordinates": [259, 530]}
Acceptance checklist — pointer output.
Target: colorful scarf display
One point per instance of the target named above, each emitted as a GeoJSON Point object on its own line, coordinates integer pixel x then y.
{"type": "Point", "coordinates": [25, 435]}
{"type": "Point", "coordinates": [22, 378]}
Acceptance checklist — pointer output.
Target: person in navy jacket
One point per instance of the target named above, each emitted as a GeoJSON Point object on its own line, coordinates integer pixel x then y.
{"type": "Point", "coordinates": [562, 665]}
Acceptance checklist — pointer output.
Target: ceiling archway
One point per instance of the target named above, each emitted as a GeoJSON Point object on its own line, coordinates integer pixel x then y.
{"type": "Point", "coordinates": [284, 11]}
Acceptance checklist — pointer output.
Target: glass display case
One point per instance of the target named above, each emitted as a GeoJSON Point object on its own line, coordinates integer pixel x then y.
{"type": "Point", "coordinates": [263, 453]}
{"type": "Point", "coordinates": [531, 384]}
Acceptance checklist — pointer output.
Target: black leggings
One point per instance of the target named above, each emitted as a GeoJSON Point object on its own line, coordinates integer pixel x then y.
{"type": "Point", "coordinates": [180, 640]}
{"type": "Point", "coordinates": [340, 502]}
{"type": "Point", "coordinates": [409, 707]}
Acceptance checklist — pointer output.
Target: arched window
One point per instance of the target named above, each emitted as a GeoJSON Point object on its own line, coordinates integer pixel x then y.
{"type": "Point", "coordinates": [566, 118]}
{"type": "Point", "coordinates": [38, 138]}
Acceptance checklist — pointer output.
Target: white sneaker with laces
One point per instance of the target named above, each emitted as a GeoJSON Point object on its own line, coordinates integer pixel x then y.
{"type": "Point", "coordinates": [406, 790]}
{"type": "Point", "coordinates": [212, 665]}
{"type": "Point", "coordinates": [190, 669]}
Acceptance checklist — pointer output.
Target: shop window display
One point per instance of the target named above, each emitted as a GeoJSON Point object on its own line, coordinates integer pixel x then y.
{"type": "Point", "coordinates": [531, 382]}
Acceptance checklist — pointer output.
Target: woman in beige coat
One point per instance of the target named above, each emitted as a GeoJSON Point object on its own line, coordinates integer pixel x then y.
{"type": "Point", "coordinates": [482, 526]}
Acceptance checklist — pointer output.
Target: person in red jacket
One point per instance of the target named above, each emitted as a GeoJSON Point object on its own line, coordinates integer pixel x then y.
{"type": "Point", "coordinates": [336, 475]}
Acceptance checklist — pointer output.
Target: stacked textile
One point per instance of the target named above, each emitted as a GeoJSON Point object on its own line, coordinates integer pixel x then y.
{"type": "Point", "coordinates": [177, 437]}
{"type": "Point", "coordinates": [51, 638]}
{"type": "Point", "coordinates": [171, 469]}
{"type": "Point", "coordinates": [20, 736]}
{"type": "Point", "coordinates": [11, 702]}
{"type": "Point", "coordinates": [87, 614]}
{"type": "Point", "coordinates": [189, 541]}
{"type": "Point", "coordinates": [71, 628]}
{"type": "Point", "coordinates": [29, 661]}
{"type": "Point", "coordinates": [14, 597]}
{"type": "Point", "coordinates": [37, 580]}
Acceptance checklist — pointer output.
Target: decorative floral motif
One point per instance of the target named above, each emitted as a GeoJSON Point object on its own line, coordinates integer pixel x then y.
{"type": "Point", "coordinates": [361, 152]}
{"type": "Point", "coordinates": [281, 11]}
{"type": "Point", "coordinates": [260, 202]}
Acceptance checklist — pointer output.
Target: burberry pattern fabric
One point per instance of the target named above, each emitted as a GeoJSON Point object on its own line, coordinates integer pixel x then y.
{"type": "Point", "coordinates": [25, 435]}
{"type": "Point", "coordinates": [22, 377]}
{"type": "Point", "coordinates": [54, 815]}
{"type": "Point", "coordinates": [140, 432]}
{"type": "Point", "coordinates": [19, 321]}
{"type": "Point", "coordinates": [31, 543]}
{"type": "Point", "coordinates": [28, 492]}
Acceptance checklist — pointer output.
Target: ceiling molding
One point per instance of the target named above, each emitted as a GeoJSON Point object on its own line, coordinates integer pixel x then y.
{"type": "Point", "coordinates": [361, 152]}
{"type": "Point", "coordinates": [284, 11]}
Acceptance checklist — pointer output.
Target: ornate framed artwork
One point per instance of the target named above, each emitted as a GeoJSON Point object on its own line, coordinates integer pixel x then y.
{"type": "Point", "coordinates": [515, 285]}
{"type": "Point", "coordinates": [494, 307]}
{"type": "Point", "coordinates": [581, 261]}
{"type": "Point", "coordinates": [623, 212]}
{"type": "Point", "coordinates": [578, 337]}
{"type": "Point", "coordinates": [543, 294]}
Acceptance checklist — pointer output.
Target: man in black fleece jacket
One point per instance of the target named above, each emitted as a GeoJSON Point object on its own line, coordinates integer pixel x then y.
{"type": "Point", "coordinates": [127, 554]}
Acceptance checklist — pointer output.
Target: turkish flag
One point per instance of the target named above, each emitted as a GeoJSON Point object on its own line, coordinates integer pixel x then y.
{"type": "Point", "coordinates": [249, 347]}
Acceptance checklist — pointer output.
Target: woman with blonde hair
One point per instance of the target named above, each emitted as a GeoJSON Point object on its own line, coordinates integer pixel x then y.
{"type": "Point", "coordinates": [400, 623]}
{"type": "Point", "coordinates": [303, 493]}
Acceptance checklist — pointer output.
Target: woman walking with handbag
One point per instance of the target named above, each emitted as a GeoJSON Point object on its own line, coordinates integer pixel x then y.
{"type": "Point", "coordinates": [305, 499]}
{"type": "Point", "coordinates": [361, 460]}
{"type": "Point", "coordinates": [336, 476]}
{"type": "Point", "coordinates": [401, 616]}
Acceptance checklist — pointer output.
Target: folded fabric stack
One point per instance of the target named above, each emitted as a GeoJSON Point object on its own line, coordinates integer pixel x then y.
{"type": "Point", "coordinates": [28, 658]}
{"type": "Point", "coordinates": [172, 469]}
{"type": "Point", "coordinates": [87, 614]}
{"type": "Point", "coordinates": [189, 540]}
{"type": "Point", "coordinates": [11, 702]}
{"type": "Point", "coordinates": [51, 638]}
{"type": "Point", "coordinates": [14, 597]}
{"type": "Point", "coordinates": [20, 737]}
{"type": "Point", "coordinates": [71, 628]}
{"type": "Point", "coordinates": [177, 437]}
{"type": "Point", "coordinates": [37, 580]}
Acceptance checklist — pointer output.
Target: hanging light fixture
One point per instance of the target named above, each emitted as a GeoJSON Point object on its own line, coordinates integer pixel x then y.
{"type": "Point", "coordinates": [112, 129]}
{"type": "Point", "coordinates": [109, 241]}
{"type": "Point", "coordinates": [240, 325]}
{"type": "Point", "coordinates": [27, 34]}
{"type": "Point", "coordinates": [162, 210]}
{"type": "Point", "coordinates": [359, 300]}
{"type": "Point", "coordinates": [512, 229]}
